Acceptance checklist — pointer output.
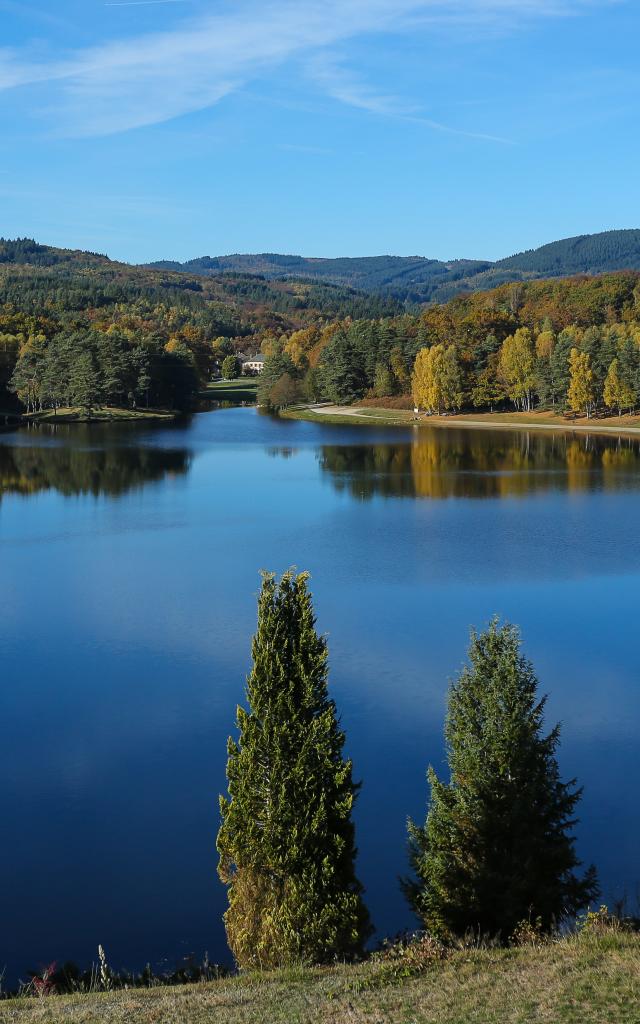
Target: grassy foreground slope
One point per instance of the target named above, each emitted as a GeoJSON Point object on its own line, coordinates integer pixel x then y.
{"type": "Point", "coordinates": [584, 980]}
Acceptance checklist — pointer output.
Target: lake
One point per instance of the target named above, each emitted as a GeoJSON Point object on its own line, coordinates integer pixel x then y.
{"type": "Point", "coordinates": [129, 562]}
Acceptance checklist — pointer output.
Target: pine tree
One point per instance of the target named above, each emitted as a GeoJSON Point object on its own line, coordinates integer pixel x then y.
{"type": "Point", "coordinates": [497, 847]}
{"type": "Point", "coordinates": [383, 382]}
{"type": "Point", "coordinates": [629, 365]}
{"type": "Point", "coordinates": [343, 376]}
{"type": "Point", "coordinates": [559, 372]}
{"type": "Point", "coordinates": [286, 841]}
{"type": "Point", "coordinates": [84, 380]}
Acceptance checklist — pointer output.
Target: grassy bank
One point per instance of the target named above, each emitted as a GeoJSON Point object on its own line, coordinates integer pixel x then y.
{"type": "Point", "coordinates": [368, 416]}
{"type": "Point", "coordinates": [106, 414]}
{"type": "Point", "coordinates": [591, 979]}
{"type": "Point", "coordinates": [244, 389]}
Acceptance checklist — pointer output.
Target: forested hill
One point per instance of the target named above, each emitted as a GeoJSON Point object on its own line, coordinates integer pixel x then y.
{"type": "Point", "coordinates": [78, 329]}
{"type": "Point", "coordinates": [27, 267]}
{"type": "Point", "coordinates": [416, 279]}
{"type": "Point", "coordinates": [407, 278]}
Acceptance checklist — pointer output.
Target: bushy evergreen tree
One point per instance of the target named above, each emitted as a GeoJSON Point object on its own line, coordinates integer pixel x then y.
{"type": "Point", "coordinates": [559, 372]}
{"type": "Point", "coordinates": [286, 841]}
{"type": "Point", "coordinates": [342, 372]}
{"type": "Point", "coordinates": [497, 847]}
{"type": "Point", "coordinates": [276, 366]}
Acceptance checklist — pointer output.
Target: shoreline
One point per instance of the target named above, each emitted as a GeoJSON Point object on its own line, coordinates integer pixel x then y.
{"type": "Point", "coordinates": [372, 416]}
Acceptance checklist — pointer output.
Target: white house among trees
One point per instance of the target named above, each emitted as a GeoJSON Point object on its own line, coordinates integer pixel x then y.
{"type": "Point", "coordinates": [253, 365]}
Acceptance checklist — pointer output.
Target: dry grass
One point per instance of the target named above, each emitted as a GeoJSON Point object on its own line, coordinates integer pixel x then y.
{"type": "Point", "coordinates": [593, 979]}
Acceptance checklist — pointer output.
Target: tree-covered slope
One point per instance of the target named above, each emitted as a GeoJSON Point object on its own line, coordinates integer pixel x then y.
{"type": "Point", "coordinates": [33, 276]}
{"type": "Point", "coordinates": [406, 278]}
{"type": "Point", "coordinates": [72, 318]}
{"type": "Point", "coordinates": [416, 279]}
{"type": "Point", "coordinates": [584, 254]}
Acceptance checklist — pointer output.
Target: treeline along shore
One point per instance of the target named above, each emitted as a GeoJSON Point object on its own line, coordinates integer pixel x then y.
{"type": "Point", "coordinates": [81, 333]}
{"type": "Point", "coordinates": [558, 348]}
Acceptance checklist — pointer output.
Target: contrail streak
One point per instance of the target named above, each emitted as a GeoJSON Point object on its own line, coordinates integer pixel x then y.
{"type": "Point", "coordinates": [141, 3]}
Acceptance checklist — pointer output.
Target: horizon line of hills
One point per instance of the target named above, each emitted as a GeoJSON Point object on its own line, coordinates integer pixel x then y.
{"type": "Point", "coordinates": [408, 280]}
{"type": "Point", "coordinates": [418, 279]}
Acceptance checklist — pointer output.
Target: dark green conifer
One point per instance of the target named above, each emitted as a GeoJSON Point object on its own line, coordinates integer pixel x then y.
{"type": "Point", "coordinates": [496, 847]}
{"type": "Point", "coordinates": [342, 371]}
{"type": "Point", "coordinates": [286, 841]}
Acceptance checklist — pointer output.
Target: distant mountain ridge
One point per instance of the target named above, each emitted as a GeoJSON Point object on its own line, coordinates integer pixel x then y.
{"type": "Point", "coordinates": [416, 279]}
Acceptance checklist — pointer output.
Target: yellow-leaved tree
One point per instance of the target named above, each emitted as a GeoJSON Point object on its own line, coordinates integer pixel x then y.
{"type": "Point", "coordinates": [517, 368]}
{"type": "Point", "coordinates": [301, 342]}
{"type": "Point", "coordinates": [545, 343]}
{"type": "Point", "coordinates": [618, 393]}
{"type": "Point", "coordinates": [581, 394]}
{"type": "Point", "coordinates": [436, 384]}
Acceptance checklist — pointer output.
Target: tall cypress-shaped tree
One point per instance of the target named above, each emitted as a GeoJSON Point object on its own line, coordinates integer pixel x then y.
{"type": "Point", "coordinates": [286, 841]}
{"type": "Point", "coordinates": [497, 847]}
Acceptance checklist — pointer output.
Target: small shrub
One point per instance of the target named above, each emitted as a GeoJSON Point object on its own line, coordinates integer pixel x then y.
{"type": "Point", "coordinates": [43, 984]}
{"type": "Point", "coordinates": [407, 958]}
{"type": "Point", "coordinates": [528, 933]}
{"type": "Point", "coordinates": [600, 922]}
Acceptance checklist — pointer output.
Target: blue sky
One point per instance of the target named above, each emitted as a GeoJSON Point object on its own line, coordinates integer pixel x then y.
{"type": "Point", "coordinates": [446, 128]}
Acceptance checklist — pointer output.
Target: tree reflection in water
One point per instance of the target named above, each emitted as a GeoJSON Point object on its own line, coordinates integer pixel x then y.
{"type": "Point", "coordinates": [105, 471]}
{"type": "Point", "coordinates": [449, 463]}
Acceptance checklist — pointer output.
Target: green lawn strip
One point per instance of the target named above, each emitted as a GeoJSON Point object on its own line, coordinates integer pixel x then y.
{"type": "Point", "coordinates": [102, 415]}
{"type": "Point", "coordinates": [368, 416]}
{"type": "Point", "coordinates": [244, 389]}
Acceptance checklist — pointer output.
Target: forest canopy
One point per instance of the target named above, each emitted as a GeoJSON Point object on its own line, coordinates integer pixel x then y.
{"type": "Point", "coordinates": [77, 328]}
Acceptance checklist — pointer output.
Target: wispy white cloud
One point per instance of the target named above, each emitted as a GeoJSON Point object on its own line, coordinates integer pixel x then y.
{"type": "Point", "coordinates": [344, 85]}
{"type": "Point", "coordinates": [163, 74]}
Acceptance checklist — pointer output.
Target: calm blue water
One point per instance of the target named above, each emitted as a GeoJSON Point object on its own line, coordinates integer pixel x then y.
{"type": "Point", "coordinates": [129, 563]}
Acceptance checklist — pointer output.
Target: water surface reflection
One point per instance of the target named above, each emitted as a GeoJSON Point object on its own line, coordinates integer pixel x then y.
{"type": "Point", "coordinates": [110, 471]}
{"type": "Point", "coordinates": [471, 464]}
{"type": "Point", "coordinates": [129, 561]}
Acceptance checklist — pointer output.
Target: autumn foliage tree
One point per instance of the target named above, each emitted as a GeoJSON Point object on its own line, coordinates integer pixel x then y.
{"type": "Point", "coordinates": [517, 368]}
{"type": "Point", "coordinates": [436, 382]}
{"type": "Point", "coordinates": [618, 392]}
{"type": "Point", "coordinates": [581, 394]}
